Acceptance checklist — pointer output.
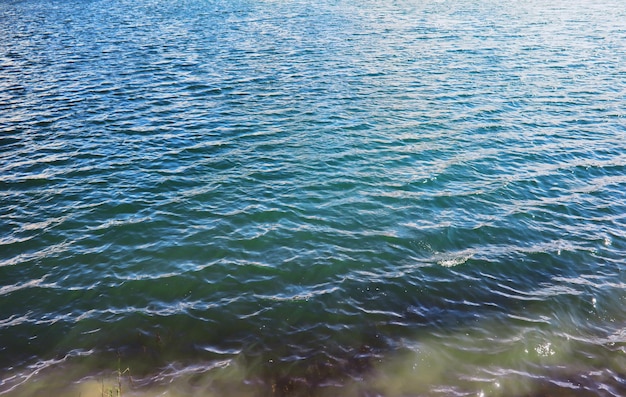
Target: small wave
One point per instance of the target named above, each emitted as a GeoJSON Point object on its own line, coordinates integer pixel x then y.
{"type": "Point", "coordinates": [456, 258]}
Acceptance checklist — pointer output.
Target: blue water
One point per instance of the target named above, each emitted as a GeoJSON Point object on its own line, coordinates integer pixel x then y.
{"type": "Point", "coordinates": [256, 197]}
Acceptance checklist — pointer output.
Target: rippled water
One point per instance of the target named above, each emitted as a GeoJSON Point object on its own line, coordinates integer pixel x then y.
{"type": "Point", "coordinates": [375, 198]}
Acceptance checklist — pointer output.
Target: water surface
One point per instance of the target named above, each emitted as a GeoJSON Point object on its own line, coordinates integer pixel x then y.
{"type": "Point", "coordinates": [376, 198]}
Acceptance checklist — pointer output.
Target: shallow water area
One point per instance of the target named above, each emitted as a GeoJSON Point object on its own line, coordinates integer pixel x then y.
{"type": "Point", "coordinates": [255, 198]}
{"type": "Point", "coordinates": [520, 365]}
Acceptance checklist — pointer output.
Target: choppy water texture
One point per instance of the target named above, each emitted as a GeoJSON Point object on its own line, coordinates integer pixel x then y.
{"type": "Point", "coordinates": [355, 198]}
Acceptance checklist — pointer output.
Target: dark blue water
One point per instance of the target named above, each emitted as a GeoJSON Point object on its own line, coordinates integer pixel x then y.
{"type": "Point", "coordinates": [255, 198]}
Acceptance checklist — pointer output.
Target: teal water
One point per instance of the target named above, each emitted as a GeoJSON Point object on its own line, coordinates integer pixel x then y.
{"type": "Point", "coordinates": [255, 197]}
